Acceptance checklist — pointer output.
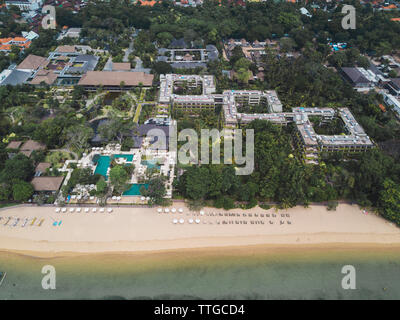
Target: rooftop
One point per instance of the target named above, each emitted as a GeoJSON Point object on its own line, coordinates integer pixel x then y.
{"type": "Point", "coordinates": [46, 76]}
{"type": "Point", "coordinates": [47, 183]}
{"type": "Point", "coordinates": [32, 145]}
{"type": "Point", "coordinates": [42, 166]}
{"type": "Point", "coordinates": [13, 77]}
{"type": "Point", "coordinates": [114, 78]}
{"type": "Point", "coordinates": [32, 62]}
{"type": "Point", "coordinates": [14, 145]}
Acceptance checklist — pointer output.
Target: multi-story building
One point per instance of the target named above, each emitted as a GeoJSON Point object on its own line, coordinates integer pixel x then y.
{"type": "Point", "coordinates": [25, 5]}
{"type": "Point", "coordinates": [311, 144]}
{"type": "Point", "coordinates": [354, 141]}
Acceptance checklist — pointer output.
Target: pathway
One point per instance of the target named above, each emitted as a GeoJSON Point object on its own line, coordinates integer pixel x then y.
{"type": "Point", "coordinates": [128, 52]}
{"type": "Point", "coordinates": [139, 106]}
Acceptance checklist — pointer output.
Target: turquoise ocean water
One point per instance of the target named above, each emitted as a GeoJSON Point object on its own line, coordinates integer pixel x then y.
{"type": "Point", "coordinates": [299, 276]}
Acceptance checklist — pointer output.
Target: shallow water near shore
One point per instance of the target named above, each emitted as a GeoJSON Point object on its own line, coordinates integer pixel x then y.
{"type": "Point", "coordinates": [227, 273]}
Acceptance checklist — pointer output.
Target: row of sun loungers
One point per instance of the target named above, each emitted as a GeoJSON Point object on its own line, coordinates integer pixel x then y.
{"type": "Point", "coordinates": [78, 210]}
{"type": "Point", "coordinates": [251, 222]}
{"type": "Point", "coordinates": [250, 215]}
{"type": "Point", "coordinates": [7, 221]}
{"type": "Point", "coordinates": [197, 221]}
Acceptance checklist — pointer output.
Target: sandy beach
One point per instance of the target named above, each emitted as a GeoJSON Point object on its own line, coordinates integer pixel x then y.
{"type": "Point", "coordinates": [144, 229]}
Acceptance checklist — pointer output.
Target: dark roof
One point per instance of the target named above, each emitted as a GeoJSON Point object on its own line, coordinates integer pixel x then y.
{"type": "Point", "coordinates": [95, 125]}
{"type": "Point", "coordinates": [89, 64]}
{"type": "Point", "coordinates": [375, 70]}
{"type": "Point", "coordinates": [212, 52]}
{"type": "Point", "coordinates": [137, 141]}
{"type": "Point", "coordinates": [354, 75]}
{"type": "Point", "coordinates": [145, 128]}
{"type": "Point", "coordinates": [395, 82]}
{"type": "Point", "coordinates": [143, 131]}
{"type": "Point", "coordinates": [178, 43]}
{"type": "Point", "coordinates": [16, 77]}
{"type": "Point", "coordinates": [162, 58]}
{"type": "Point", "coordinates": [188, 65]}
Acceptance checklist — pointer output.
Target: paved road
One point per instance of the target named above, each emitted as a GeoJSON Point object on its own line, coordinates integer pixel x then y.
{"type": "Point", "coordinates": [128, 52]}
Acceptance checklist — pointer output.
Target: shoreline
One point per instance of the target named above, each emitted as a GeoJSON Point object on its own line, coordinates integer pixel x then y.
{"type": "Point", "coordinates": [45, 249]}
{"type": "Point", "coordinates": [243, 249]}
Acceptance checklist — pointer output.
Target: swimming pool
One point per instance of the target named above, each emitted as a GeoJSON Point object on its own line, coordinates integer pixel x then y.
{"type": "Point", "coordinates": [128, 157]}
{"type": "Point", "coordinates": [151, 164]}
{"type": "Point", "coordinates": [134, 189]}
{"type": "Point", "coordinates": [103, 163]}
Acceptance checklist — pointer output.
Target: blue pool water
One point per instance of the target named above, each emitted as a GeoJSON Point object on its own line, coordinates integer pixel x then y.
{"type": "Point", "coordinates": [134, 189]}
{"type": "Point", "coordinates": [103, 163]}
{"type": "Point", "coordinates": [150, 164]}
{"type": "Point", "coordinates": [128, 157]}
{"type": "Point", "coordinates": [102, 166]}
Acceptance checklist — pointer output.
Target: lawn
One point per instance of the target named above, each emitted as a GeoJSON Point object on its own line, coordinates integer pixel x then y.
{"type": "Point", "coordinates": [57, 158]}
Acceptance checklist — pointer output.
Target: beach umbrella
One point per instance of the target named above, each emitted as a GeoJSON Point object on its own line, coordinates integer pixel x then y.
{"type": "Point", "coordinates": [142, 198]}
{"type": "Point", "coordinates": [101, 209]}
{"type": "Point", "coordinates": [79, 197]}
{"type": "Point", "coordinates": [175, 221]}
{"type": "Point", "coordinates": [118, 198]}
{"type": "Point", "coordinates": [180, 210]}
{"type": "Point", "coordinates": [197, 220]}
{"type": "Point", "coordinates": [159, 210]}
{"type": "Point", "coordinates": [190, 220]}
{"type": "Point", "coordinates": [91, 198]}
{"type": "Point", "coordinates": [78, 210]}
{"type": "Point", "coordinates": [173, 210]}
{"type": "Point", "coordinates": [166, 210]}
{"type": "Point", "coordinates": [63, 209]}
{"type": "Point", "coordinates": [147, 198]}
{"type": "Point", "coordinates": [202, 212]}
{"type": "Point", "coordinates": [114, 198]}
{"type": "Point", "coordinates": [73, 196]}
{"type": "Point", "coordinates": [71, 210]}
{"type": "Point", "coordinates": [109, 210]}
{"type": "Point", "coordinates": [94, 210]}
{"type": "Point", "coordinates": [57, 209]}
{"type": "Point", "coordinates": [86, 209]}
{"type": "Point", "coordinates": [181, 221]}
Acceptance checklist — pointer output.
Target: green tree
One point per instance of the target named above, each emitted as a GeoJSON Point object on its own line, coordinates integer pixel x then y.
{"type": "Point", "coordinates": [77, 137]}
{"type": "Point", "coordinates": [156, 190]}
{"type": "Point", "coordinates": [22, 191]}
{"type": "Point", "coordinates": [18, 168]}
{"type": "Point", "coordinates": [390, 201]}
{"type": "Point", "coordinates": [119, 178]}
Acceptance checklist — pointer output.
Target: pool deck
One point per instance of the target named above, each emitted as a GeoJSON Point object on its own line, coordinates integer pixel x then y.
{"type": "Point", "coordinates": [135, 155]}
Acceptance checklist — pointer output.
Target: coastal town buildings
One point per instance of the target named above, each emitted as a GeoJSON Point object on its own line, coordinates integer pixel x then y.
{"type": "Point", "coordinates": [25, 5]}
{"type": "Point", "coordinates": [188, 58]}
